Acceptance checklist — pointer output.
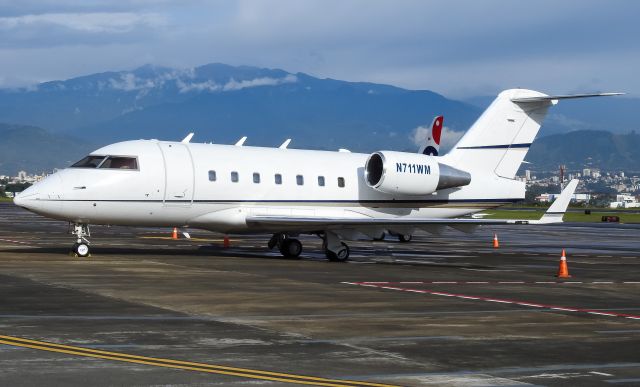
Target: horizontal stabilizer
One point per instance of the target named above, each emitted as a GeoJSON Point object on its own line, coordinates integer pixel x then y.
{"type": "Point", "coordinates": [557, 97]}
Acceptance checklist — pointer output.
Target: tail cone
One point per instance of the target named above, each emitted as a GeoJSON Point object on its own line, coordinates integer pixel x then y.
{"type": "Point", "coordinates": [226, 243]}
{"type": "Point", "coordinates": [174, 235]}
{"type": "Point", "coordinates": [496, 244]}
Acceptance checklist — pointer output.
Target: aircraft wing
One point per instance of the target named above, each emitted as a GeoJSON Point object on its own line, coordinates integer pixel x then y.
{"type": "Point", "coordinates": [552, 215]}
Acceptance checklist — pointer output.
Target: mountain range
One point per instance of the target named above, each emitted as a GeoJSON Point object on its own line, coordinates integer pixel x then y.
{"type": "Point", "coordinates": [221, 103]}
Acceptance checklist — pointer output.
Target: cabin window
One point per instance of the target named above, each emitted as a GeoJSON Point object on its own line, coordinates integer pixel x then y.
{"type": "Point", "coordinates": [89, 162]}
{"type": "Point", "coordinates": [234, 177]}
{"type": "Point", "coordinates": [299, 180]}
{"type": "Point", "coordinates": [321, 181]}
{"type": "Point", "coordinates": [212, 175]}
{"type": "Point", "coordinates": [119, 162]}
{"type": "Point", "coordinates": [278, 178]}
{"type": "Point", "coordinates": [341, 182]}
{"type": "Point", "coordinates": [256, 177]}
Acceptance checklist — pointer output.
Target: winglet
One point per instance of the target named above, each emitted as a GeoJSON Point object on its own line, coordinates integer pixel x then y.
{"type": "Point", "coordinates": [285, 144]}
{"type": "Point", "coordinates": [241, 141]}
{"type": "Point", "coordinates": [557, 210]}
{"type": "Point", "coordinates": [187, 139]}
{"type": "Point", "coordinates": [432, 145]}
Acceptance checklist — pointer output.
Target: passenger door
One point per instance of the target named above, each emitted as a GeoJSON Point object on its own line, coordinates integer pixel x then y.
{"type": "Point", "coordinates": [179, 176]}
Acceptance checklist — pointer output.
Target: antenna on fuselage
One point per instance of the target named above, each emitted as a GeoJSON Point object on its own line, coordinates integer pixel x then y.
{"type": "Point", "coordinates": [285, 144]}
{"type": "Point", "coordinates": [241, 141]}
{"type": "Point", "coordinates": [187, 139]}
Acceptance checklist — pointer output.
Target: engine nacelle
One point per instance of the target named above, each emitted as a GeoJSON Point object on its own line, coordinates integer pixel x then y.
{"type": "Point", "coordinates": [411, 173]}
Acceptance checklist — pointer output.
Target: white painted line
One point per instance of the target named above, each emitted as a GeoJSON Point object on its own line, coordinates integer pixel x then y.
{"type": "Point", "coordinates": [602, 313]}
{"type": "Point", "coordinates": [631, 282]}
{"type": "Point", "coordinates": [511, 282]}
{"type": "Point", "coordinates": [600, 373]}
{"type": "Point", "coordinates": [444, 282]}
{"type": "Point", "coordinates": [409, 282]}
{"type": "Point", "coordinates": [500, 301]}
{"type": "Point", "coordinates": [477, 282]}
{"type": "Point", "coordinates": [602, 282]}
{"type": "Point", "coordinates": [527, 304]}
{"type": "Point", "coordinates": [571, 282]}
{"type": "Point", "coordinates": [547, 282]}
{"type": "Point", "coordinates": [565, 309]}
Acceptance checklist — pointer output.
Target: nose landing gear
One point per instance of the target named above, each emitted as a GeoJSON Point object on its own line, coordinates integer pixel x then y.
{"type": "Point", "coordinates": [81, 247]}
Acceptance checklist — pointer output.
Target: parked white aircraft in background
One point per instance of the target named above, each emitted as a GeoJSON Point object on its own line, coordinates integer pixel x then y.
{"type": "Point", "coordinates": [287, 192]}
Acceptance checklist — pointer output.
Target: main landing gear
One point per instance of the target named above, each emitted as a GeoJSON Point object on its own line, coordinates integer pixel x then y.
{"type": "Point", "coordinates": [289, 247]}
{"type": "Point", "coordinates": [81, 247]}
{"type": "Point", "coordinates": [334, 248]}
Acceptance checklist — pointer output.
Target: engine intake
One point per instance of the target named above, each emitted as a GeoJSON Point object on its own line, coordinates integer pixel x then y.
{"type": "Point", "coordinates": [411, 173]}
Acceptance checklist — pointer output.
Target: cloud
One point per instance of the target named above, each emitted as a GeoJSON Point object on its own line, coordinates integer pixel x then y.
{"type": "Point", "coordinates": [456, 48]}
{"type": "Point", "coordinates": [265, 81]}
{"type": "Point", "coordinates": [448, 138]}
{"type": "Point", "coordinates": [184, 81]}
{"type": "Point", "coordinates": [54, 29]}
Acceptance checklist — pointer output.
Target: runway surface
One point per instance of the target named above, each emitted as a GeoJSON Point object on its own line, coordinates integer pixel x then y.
{"type": "Point", "coordinates": [449, 310]}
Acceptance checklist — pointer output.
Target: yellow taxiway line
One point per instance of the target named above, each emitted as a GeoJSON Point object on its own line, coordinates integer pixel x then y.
{"type": "Point", "coordinates": [184, 365]}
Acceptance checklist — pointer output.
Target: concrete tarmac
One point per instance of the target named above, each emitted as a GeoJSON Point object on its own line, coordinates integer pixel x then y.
{"type": "Point", "coordinates": [448, 310]}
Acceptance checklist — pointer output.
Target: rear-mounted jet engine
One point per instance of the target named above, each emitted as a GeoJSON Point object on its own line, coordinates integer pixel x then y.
{"type": "Point", "coordinates": [411, 174]}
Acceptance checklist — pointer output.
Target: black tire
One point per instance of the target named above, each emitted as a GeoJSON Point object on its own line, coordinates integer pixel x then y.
{"type": "Point", "coordinates": [381, 237]}
{"type": "Point", "coordinates": [341, 256]}
{"type": "Point", "coordinates": [404, 238]}
{"type": "Point", "coordinates": [291, 248]}
{"type": "Point", "coordinates": [81, 249]}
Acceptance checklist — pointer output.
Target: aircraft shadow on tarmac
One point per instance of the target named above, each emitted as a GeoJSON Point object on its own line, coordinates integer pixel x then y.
{"type": "Point", "coordinates": [375, 257]}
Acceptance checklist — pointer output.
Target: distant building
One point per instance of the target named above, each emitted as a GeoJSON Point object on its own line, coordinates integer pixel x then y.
{"type": "Point", "coordinates": [576, 197]}
{"type": "Point", "coordinates": [586, 172]}
{"type": "Point", "coordinates": [625, 201]}
{"type": "Point", "coordinates": [527, 174]}
{"type": "Point", "coordinates": [22, 175]}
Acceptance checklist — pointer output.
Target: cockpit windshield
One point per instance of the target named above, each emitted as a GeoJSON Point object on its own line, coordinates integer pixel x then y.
{"type": "Point", "coordinates": [89, 162]}
{"type": "Point", "coordinates": [107, 162]}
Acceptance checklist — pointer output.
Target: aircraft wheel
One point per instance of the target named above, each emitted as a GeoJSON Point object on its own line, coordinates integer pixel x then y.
{"type": "Point", "coordinates": [342, 255]}
{"type": "Point", "coordinates": [81, 249]}
{"type": "Point", "coordinates": [291, 248]}
{"type": "Point", "coordinates": [405, 237]}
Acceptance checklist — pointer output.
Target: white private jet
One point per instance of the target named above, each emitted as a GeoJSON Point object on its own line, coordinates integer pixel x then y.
{"type": "Point", "coordinates": [288, 192]}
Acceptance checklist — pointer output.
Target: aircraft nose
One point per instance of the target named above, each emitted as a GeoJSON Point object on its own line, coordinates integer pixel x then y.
{"type": "Point", "coordinates": [22, 199]}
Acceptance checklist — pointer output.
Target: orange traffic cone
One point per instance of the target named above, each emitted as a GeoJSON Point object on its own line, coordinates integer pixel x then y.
{"type": "Point", "coordinates": [563, 270]}
{"type": "Point", "coordinates": [225, 242]}
{"type": "Point", "coordinates": [175, 233]}
{"type": "Point", "coordinates": [496, 244]}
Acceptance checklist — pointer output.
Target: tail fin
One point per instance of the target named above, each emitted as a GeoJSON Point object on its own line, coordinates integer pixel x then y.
{"type": "Point", "coordinates": [432, 145]}
{"type": "Point", "coordinates": [555, 213]}
{"type": "Point", "coordinates": [500, 139]}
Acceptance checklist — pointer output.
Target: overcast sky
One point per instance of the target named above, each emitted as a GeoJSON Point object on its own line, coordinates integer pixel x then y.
{"type": "Point", "coordinates": [457, 48]}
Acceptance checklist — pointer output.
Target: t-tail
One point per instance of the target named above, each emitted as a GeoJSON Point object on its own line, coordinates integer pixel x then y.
{"type": "Point", "coordinates": [499, 140]}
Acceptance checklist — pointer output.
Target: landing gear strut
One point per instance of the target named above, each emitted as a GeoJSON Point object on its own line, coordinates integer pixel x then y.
{"type": "Point", "coordinates": [335, 249]}
{"type": "Point", "coordinates": [289, 247]}
{"type": "Point", "coordinates": [81, 247]}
